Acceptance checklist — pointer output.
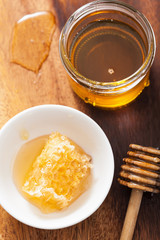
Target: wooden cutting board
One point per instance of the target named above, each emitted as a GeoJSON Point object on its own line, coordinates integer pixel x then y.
{"type": "Point", "coordinates": [19, 87]}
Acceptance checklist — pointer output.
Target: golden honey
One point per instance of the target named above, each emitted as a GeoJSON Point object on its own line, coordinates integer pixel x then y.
{"type": "Point", "coordinates": [57, 171]}
{"type": "Point", "coordinates": [107, 49]}
{"type": "Point", "coordinates": [31, 39]}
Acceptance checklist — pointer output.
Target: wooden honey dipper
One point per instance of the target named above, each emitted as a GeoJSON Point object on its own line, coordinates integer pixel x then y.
{"type": "Point", "coordinates": [141, 173]}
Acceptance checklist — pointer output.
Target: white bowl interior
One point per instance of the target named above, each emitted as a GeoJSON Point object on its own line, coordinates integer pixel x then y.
{"type": "Point", "coordinates": [42, 120]}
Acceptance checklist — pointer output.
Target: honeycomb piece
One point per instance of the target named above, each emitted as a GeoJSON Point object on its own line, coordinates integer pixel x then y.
{"type": "Point", "coordinates": [58, 175]}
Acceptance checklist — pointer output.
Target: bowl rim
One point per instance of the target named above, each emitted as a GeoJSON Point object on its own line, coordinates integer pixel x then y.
{"type": "Point", "coordinates": [109, 181]}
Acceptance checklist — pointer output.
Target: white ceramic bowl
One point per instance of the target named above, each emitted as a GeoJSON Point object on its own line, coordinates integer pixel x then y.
{"type": "Point", "coordinates": [41, 120]}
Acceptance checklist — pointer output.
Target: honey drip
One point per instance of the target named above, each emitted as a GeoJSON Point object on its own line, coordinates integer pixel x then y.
{"type": "Point", "coordinates": [31, 40]}
{"type": "Point", "coordinates": [25, 157]}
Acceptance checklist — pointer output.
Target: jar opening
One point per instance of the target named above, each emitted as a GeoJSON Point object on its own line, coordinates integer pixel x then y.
{"type": "Point", "coordinates": [95, 12]}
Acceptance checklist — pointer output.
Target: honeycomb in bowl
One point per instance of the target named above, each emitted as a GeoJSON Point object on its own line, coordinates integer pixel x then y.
{"type": "Point", "coordinates": [58, 176]}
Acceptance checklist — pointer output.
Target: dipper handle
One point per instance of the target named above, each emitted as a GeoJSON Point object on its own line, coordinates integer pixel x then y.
{"type": "Point", "coordinates": [132, 214]}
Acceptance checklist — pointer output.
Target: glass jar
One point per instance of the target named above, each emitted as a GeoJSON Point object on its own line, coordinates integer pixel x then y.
{"type": "Point", "coordinates": [114, 14]}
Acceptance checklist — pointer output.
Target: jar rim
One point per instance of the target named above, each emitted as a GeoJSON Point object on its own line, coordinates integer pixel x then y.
{"type": "Point", "coordinates": [137, 16]}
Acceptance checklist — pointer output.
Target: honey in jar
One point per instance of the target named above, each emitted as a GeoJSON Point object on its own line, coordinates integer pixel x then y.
{"type": "Point", "coordinates": [107, 49]}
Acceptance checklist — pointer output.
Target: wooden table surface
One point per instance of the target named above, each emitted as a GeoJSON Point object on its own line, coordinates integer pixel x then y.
{"type": "Point", "coordinates": [137, 123]}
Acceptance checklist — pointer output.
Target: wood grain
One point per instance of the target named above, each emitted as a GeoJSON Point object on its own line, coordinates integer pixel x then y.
{"type": "Point", "coordinates": [137, 123]}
